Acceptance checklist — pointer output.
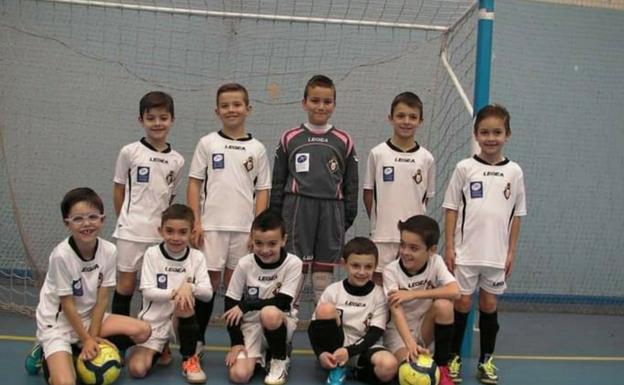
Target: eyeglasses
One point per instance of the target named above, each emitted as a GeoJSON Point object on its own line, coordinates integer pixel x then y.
{"type": "Point", "coordinates": [80, 219]}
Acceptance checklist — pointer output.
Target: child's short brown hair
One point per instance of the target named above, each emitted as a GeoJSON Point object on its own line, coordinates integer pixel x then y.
{"type": "Point", "coordinates": [360, 245]}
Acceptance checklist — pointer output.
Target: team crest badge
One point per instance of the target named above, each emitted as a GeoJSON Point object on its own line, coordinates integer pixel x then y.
{"type": "Point", "coordinates": [417, 177]}
{"type": "Point", "coordinates": [507, 191]}
{"type": "Point", "coordinates": [100, 279]}
{"type": "Point", "coordinates": [249, 164]}
{"type": "Point", "coordinates": [143, 174]}
{"type": "Point", "coordinates": [332, 165]}
{"type": "Point", "coordinates": [253, 293]}
{"type": "Point", "coordinates": [367, 322]}
{"type": "Point", "coordinates": [169, 178]}
{"type": "Point", "coordinates": [277, 288]}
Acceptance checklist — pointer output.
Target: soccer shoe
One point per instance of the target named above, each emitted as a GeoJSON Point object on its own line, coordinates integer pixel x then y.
{"type": "Point", "coordinates": [445, 379]}
{"type": "Point", "coordinates": [165, 356]}
{"type": "Point", "coordinates": [454, 369]}
{"type": "Point", "coordinates": [192, 371]}
{"type": "Point", "coordinates": [486, 371]}
{"type": "Point", "coordinates": [337, 376]}
{"type": "Point", "coordinates": [278, 372]}
{"type": "Point", "coordinates": [34, 360]}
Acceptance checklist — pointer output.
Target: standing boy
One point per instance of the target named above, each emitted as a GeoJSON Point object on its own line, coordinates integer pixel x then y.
{"type": "Point", "coordinates": [400, 178]}
{"type": "Point", "coordinates": [420, 292]}
{"type": "Point", "coordinates": [71, 310]}
{"type": "Point", "coordinates": [147, 175]}
{"type": "Point", "coordinates": [259, 303]}
{"type": "Point", "coordinates": [315, 182]}
{"type": "Point", "coordinates": [350, 319]}
{"type": "Point", "coordinates": [172, 277]}
{"type": "Point", "coordinates": [228, 169]}
{"type": "Point", "coordinates": [484, 202]}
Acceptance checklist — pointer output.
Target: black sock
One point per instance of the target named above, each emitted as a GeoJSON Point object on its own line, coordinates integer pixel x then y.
{"type": "Point", "coordinates": [277, 342]}
{"type": "Point", "coordinates": [121, 341]}
{"type": "Point", "coordinates": [203, 311]}
{"type": "Point", "coordinates": [458, 331]}
{"type": "Point", "coordinates": [488, 324]}
{"type": "Point", "coordinates": [443, 335]}
{"type": "Point", "coordinates": [187, 329]}
{"type": "Point", "coordinates": [325, 336]}
{"type": "Point", "coordinates": [121, 303]}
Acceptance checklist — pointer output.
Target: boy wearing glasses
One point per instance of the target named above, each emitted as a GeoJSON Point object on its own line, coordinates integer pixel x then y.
{"type": "Point", "coordinates": [147, 175]}
{"type": "Point", "coordinates": [71, 316]}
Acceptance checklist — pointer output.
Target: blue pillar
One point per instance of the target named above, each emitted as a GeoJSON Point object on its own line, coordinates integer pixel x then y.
{"type": "Point", "coordinates": [481, 99]}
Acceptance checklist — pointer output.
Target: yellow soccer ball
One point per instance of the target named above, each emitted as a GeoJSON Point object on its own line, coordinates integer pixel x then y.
{"type": "Point", "coordinates": [104, 369]}
{"type": "Point", "coordinates": [422, 372]}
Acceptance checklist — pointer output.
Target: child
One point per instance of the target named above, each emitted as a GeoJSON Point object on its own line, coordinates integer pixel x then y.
{"type": "Point", "coordinates": [420, 292]}
{"type": "Point", "coordinates": [147, 175]}
{"type": "Point", "coordinates": [400, 178]}
{"type": "Point", "coordinates": [350, 319]}
{"type": "Point", "coordinates": [315, 182]}
{"type": "Point", "coordinates": [172, 277]}
{"type": "Point", "coordinates": [228, 169]}
{"type": "Point", "coordinates": [259, 303]}
{"type": "Point", "coordinates": [480, 243]}
{"type": "Point", "coordinates": [75, 292]}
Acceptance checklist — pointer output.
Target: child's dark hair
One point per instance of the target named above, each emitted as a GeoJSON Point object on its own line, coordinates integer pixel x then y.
{"type": "Point", "coordinates": [424, 226]}
{"type": "Point", "coordinates": [319, 81]}
{"type": "Point", "coordinates": [360, 245]}
{"type": "Point", "coordinates": [81, 194]}
{"type": "Point", "coordinates": [156, 99]}
{"type": "Point", "coordinates": [408, 98]}
{"type": "Point", "coordinates": [178, 211]}
{"type": "Point", "coordinates": [493, 110]}
{"type": "Point", "coordinates": [268, 220]}
{"type": "Point", "coordinates": [233, 87]}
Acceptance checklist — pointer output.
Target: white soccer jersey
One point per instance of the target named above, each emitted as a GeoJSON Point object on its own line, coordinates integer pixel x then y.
{"type": "Point", "coordinates": [433, 275]}
{"type": "Point", "coordinates": [357, 312]}
{"type": "Point", "coordinates": [231, 171]}
{"type": "Point", "coordinates": [401, 181]}
{"type": "Point", "coordinates": [254, 280]}
{"type": "Point", "coordinates": [486, 198]}
{"type": "Point", "coordinates": [69, 274]}
{"type": "Point", "coordinates": [151, 179]}
{"type": "Point", "coordinates": [161, 275]}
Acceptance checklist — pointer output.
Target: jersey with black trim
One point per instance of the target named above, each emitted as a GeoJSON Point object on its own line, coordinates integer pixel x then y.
{"type": "Point", "coordinates": [357, 312]}
{"type": "Point", "coordinates": [402, 182]}
{"type": "Point", "coordinates": [254, 280]}
{"type": "Point", "coordinates": [231, 171]}
{"type": "Point", "coordinates": [161, 274]}
{"type": "Point", "coordinates": [433, 275]}
{"type": "Point", "coordinates": [69, 274]}
{"type": "Point", "coordinates": [151, 178]}
{"type": "Point", "coordinates": [487, 198]}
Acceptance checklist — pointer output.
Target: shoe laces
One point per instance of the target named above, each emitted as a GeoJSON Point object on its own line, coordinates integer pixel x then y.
{"type": "Point", "coordinates": [455, 364]}
{"type": "Point", "coordinates": [488, 366]}
{"type": "Point", "coordinates": [191, 365]}
{"type": "Point", "coordinates": [337, 375]}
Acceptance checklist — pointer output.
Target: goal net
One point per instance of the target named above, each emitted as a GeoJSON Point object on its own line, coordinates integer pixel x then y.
{"type": "Point", "coordinates": [73, 72]}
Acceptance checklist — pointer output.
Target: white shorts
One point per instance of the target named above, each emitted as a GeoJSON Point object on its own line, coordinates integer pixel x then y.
{"type": "Point", "coordinates": [161, 332]}
{"type": "Point", "coordinates": [224, 249]}
{"type": "Point", "coordinates": [388, 252]}
{"type": "Point", "coordinates": [130, 255]}
{"type": "Point", "coordinates": [490, 279]}
{"type": "Point", "coordinates": [392, 339]}
{"type": "Point", "coordinates": [255, 342]}
{"type": "Point", "coordinates": [60, 338]}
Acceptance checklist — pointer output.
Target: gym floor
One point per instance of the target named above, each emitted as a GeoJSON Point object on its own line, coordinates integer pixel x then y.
{"type": "Point", "coordinates": [532, 348]}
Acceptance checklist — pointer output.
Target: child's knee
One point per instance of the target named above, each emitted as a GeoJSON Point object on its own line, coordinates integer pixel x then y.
{"type": "Point", "coordinates": [464, 303]}
{"type": "Point", "coordinates": [487, 302]}
{"type": "Point", "coordinates": [386, 367]}
{"type": "Point", "coordinates": [239, 374]}
{"type": "Point", "coordinates": [143, 333]}
{"type": "Point", "coordinates": [137, 369]}
{"type": "Point", "coordinates": [271, 317]}
{"type": "Point", "coordinates": [325, 311]}
{"type": "Point", "coordinates": [443, 308]}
